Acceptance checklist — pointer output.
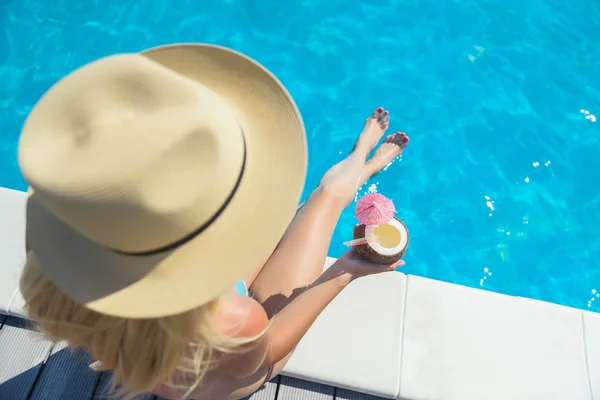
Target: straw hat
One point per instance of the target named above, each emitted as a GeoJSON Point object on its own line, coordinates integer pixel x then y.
{"type": "Point", "coordinates": [159, 179]}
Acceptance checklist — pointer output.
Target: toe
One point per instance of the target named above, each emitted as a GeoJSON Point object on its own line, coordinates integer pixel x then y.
{"type": "Point", "coordinates": [404, 139]}
{"type": "Point", "coordinates": [377, 113]}
{"type": "Point", "coordinates": [384, 122]}
{"type": "Point", "coordinates": [399, 139]}
{"type": "Point", "coordinates": [383, 115]}
{"type": "Point", "coordinates": [393, 138]}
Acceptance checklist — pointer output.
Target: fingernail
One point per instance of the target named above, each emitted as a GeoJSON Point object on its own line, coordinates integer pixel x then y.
{"type": "Point", "coordinates": [401, 263]}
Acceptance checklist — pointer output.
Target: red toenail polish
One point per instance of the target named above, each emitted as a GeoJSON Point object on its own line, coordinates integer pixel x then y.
{"type": "Point", "coordinates": [405, 139]}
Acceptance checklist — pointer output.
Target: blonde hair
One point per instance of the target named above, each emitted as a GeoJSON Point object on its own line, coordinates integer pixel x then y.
{"type": "Point", "coordinates": [143, 353]}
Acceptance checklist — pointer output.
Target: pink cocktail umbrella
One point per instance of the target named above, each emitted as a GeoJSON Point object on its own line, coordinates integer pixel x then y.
{"type": "Point", "coordinates": [374, 209]}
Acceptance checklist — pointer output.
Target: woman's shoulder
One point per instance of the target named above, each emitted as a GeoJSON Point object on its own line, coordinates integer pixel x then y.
{"type": "Point", "coordinates": [242, 318]}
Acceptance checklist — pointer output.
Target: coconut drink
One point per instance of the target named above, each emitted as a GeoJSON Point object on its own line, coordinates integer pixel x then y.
{"type": "Point", "coordinates": [381, 237]}
{"type": "Point", "coordinates": [384, 243]}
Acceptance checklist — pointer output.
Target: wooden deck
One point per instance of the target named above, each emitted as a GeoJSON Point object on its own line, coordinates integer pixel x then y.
{"type": "Point", "coordinates": [32, 368]}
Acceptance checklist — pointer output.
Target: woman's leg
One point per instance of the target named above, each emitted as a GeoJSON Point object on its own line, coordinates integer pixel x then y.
{"type": "Point", "coordinates": [300, 256]}
{"type": "Point", "coordinates": [391, 148]}
{"type": "Point", "coordinates": [387, 151]}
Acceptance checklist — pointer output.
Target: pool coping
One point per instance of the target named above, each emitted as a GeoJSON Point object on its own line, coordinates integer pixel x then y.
{"type": "Point", "coordinates": [407, 337]}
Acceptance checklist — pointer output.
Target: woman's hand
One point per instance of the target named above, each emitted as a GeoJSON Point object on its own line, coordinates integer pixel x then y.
{"type": "Point", "coordinates": [353, 266]}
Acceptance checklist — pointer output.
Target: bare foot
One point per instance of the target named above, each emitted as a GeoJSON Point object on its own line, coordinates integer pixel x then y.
{"type": "Point", "coordinates": [391, 148]}
{"type": "Point", "coordinates": [343, 179]}
{"type": "Point", "coordinates": [375, 125]}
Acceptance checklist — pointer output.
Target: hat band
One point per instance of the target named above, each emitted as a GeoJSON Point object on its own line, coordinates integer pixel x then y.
{"type": "Point", "coordinates": [204, 226]}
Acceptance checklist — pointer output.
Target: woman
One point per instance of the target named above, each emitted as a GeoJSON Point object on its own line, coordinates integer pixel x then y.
{"type": "Point", "coordinates": [158, 180]}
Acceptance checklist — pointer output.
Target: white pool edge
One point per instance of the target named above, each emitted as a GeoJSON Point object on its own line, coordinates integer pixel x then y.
{"type": "Point", "coordinates": [407, 337]}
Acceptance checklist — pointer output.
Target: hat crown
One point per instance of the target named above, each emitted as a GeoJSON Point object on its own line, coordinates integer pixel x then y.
{"type": "Point", "coordinates": [132, 154]}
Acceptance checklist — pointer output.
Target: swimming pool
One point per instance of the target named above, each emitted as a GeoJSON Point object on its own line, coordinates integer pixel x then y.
{"type": "Point", "coordinates": [499, 97]}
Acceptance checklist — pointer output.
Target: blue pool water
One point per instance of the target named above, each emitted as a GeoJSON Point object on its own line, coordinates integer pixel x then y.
{"type": "Point", "coordinates": [500, 179]}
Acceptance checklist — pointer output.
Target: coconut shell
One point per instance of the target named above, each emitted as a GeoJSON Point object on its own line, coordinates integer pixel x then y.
{"type": "Point", "coordinates": [368, 253]}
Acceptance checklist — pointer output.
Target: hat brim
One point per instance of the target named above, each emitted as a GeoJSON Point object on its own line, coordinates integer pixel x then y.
{"type": "Point", "coordinates": [234, 244]}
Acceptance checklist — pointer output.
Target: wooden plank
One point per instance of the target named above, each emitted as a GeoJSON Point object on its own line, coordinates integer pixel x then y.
{"type": "Point", "coordinates": [295, 389]}
{"type": "Point", "coordinates": [22, 353]}
{"type": "Point", "coordinates": [343, 394]}
{"type": "Point", "coordinates": [103, 390]}
{"type": "Point", "coordinates": [266, 392]}
{"type": "Point", "coordinates": [66, 375]}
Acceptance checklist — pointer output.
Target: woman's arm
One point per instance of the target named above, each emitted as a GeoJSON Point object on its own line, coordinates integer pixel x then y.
{"type": "Point", "coordinates": [290, 324]}
{"type": "Point", "coordinates": [286, 328]}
